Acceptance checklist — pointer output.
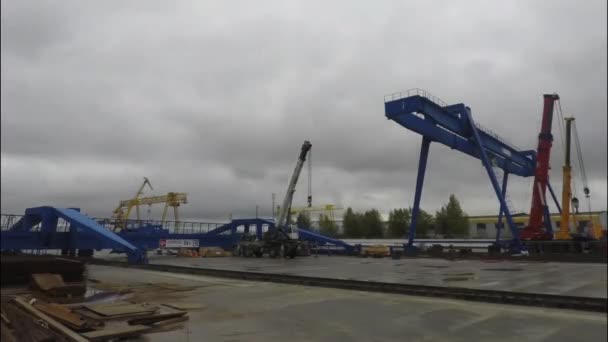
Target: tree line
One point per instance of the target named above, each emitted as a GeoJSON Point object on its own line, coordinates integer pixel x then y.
{"type": "Point", "coordinates": [450, 221]}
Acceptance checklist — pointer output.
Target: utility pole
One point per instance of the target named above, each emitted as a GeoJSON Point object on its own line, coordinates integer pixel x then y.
{"type": "Point", "coordinates": [256, 211]}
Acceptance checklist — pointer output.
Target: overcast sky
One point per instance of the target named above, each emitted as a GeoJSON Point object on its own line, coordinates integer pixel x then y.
{"type": "Point", "coordinates": [215, 98]}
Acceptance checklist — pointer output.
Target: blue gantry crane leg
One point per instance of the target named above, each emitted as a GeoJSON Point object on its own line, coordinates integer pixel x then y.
{"type": "Point", "coordinates": [559, 209]}
{"type": "Point", "coordinates": [424, 154]}
{"type": "Point", "coordinates": [499, 225]}
{"type": "Point", "coordinates": [516, 245]}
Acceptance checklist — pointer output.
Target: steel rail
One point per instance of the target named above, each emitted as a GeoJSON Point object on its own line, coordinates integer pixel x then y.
{"type": "Point", "coordinates": [594, 304]}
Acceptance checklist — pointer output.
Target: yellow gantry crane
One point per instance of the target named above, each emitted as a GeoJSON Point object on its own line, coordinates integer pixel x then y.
{"type": "Point", "coordinates": [125, 207]}
{"type": "Point", "coordinates": [123, 212]}
{"type": "Point", "coordinates": [171, 199]}
{"type": "Point", "coordinates": [327, 210]}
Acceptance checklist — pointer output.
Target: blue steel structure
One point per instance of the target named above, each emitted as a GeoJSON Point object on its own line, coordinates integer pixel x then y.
{"type": "Point", "coordinates": [39, 229]}
{"type": "Point", "coordinates": [83, 232]}
{"type": "Point", "coordinates": [453, 126]}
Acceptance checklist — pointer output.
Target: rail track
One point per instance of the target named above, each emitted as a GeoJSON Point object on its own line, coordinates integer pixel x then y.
{"type": "Point", "coordinates": [490, 296]}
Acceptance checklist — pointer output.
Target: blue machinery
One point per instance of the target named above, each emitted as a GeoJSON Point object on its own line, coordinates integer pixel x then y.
{"type": "Point", "coordinates": [453, 126]}
{"type": "Point", "coordinates": [39, 229]}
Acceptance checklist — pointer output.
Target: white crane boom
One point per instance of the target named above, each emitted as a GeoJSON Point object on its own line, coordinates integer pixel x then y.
{"type": "Point", "coordinates": [291, 189]}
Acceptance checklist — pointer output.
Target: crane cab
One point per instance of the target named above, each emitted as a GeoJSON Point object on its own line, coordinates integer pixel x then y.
{"type": "Point", "coordinates": [292, 232]}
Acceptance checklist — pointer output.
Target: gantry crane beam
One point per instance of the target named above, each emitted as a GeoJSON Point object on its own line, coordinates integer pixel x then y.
{"type": "Point", "coordinates": [171, 199]}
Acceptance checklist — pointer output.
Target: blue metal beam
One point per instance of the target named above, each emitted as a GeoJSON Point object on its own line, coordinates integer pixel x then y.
{"type": "Point", "coordinates": [451, 128]}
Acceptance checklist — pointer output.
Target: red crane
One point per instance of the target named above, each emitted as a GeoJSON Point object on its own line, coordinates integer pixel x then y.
{"type": "Point", "coordinates": [536, 230]}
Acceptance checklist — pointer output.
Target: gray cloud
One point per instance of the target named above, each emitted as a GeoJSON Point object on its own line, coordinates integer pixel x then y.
{"type": "Point", "coordinates": [215, 98]}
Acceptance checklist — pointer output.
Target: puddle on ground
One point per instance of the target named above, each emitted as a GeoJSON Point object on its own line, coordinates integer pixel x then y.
{"type": "Point", "coordinates": [503, 269]}
{"type": "Point", "coordinates": [458, 276]}
{"type": "Point", "coordinates": [93, 295]}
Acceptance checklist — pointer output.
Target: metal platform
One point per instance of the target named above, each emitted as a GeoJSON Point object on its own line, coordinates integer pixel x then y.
{"type": "Point", "coordinates": [256, 311]}
{"type": "Point", "coordinates": [568, 279]}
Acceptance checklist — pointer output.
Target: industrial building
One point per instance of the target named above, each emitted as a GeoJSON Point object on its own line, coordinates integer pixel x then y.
{"type": "Point", "coordinates": [484, 226]}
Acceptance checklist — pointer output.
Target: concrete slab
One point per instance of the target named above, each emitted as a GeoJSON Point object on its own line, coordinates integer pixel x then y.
{"type": "Point", "coordinates": [233, 310]}
{"type": "Point", "coordinates": [573, 279]}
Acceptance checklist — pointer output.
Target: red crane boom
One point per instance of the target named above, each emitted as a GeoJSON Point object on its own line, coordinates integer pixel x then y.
{"type": "Point", "coordinates": [534, 230]}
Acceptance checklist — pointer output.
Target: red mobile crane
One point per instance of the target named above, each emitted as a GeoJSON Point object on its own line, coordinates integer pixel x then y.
{"type": "Point", "coordinates": [539, 209]}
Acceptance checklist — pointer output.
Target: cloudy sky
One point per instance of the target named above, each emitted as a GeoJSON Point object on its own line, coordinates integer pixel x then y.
{"type": "Point", "coordinates": [215, 98]}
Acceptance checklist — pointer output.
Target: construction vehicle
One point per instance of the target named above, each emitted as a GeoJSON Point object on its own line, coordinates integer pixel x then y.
{"type": "Point", "coordinates": [539, 234]}
{"type": "Point", "coordinates": [375, 251]}
{"type": "Point", "coordinates": [591, 229]}
{"type": "Point", "coordinates": [283, 238]}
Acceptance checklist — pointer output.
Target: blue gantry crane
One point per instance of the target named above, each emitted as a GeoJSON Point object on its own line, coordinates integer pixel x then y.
{"type": "Point", "coordinates": [453, 126]}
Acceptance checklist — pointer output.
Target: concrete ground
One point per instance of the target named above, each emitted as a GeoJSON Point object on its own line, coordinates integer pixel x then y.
{"type": "Point", "coordinates": [233, 310]}
{"type": "Point", "coordinates": [573, 279]}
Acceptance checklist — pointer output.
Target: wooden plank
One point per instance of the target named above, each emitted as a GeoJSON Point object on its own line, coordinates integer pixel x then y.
{"type": "Point", "coordinates": [92, 315]}
{"type": "Point", "coordinates": [109, 333]}
{"type": "Point", "coordinates": [73, 336]}
{"type": "Point", "coordinates": [155, 318]}
{"type": "Point", "coordinates": [62, 314]}
{"type": "Point", "coordinates": [48, 281]}
{"type": "Point", "coordinates": [169, 321]}
{"type": "Point", "coordinates": [6, 334]}
{"type": "Point", "coordinates": [120, 309]}
{"type": "Point", "coordinates": [4, 318]}
{"type": "Point", "coordinates": [184, 306]}
{"type": "Point", "coordinates": [28, 327]}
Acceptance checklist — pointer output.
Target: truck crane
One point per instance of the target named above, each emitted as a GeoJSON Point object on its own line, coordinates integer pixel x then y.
{"type": "Point", "coordinates": [539, 212]}
{"type": "Point", "coordinates": [282, 239]}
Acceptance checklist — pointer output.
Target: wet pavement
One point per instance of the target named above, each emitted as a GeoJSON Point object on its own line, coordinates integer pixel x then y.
{"type": "Point", "coordinates": [572, 279]}
{"type": "Point", "coordinates": [234, 310]}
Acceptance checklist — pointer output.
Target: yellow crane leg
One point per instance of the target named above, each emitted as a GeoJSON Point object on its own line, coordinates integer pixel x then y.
{"type": "Point", "coordinates": [564, 226]}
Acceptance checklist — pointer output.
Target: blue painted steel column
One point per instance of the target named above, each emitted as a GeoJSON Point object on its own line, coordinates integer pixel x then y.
{"type": "Point", "coordinates": [554, 197]}
{"type": "Point", "coordinates": [499, 225]}
{"type": "Point", "coordinates": [517, 245]}
{"type": "Point", "coordinates": [424, 153]}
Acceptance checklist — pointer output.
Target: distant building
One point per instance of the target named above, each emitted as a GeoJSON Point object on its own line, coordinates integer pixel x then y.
{"type": "Point", "coordinates": [484, 227]}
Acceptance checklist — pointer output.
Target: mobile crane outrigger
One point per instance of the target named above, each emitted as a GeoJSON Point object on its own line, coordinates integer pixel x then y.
{"type": "Point", "coordinates": [282, 239]}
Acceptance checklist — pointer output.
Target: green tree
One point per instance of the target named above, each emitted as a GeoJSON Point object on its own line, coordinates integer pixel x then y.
{"type": "Point", "coordinates": [451, 220]}
{"type": "Point", "coordinates": [303, 220]}
{"type": "Point", "coordinates": [327, 226]}
{"type": "Point", "coordinates": [351, 224]}
{"type": "Point", "coordinates": [425, 224]}
{"type": "Point", "coordinates": [398, 222]}
{"type": "Point", "coordinates": [371, 223]}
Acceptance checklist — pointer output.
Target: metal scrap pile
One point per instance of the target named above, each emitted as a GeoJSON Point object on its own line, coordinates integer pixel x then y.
{"type": "Point", "coordinates": [30, 319]}
{"type": "Point", "coordinates": [47, 308]}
